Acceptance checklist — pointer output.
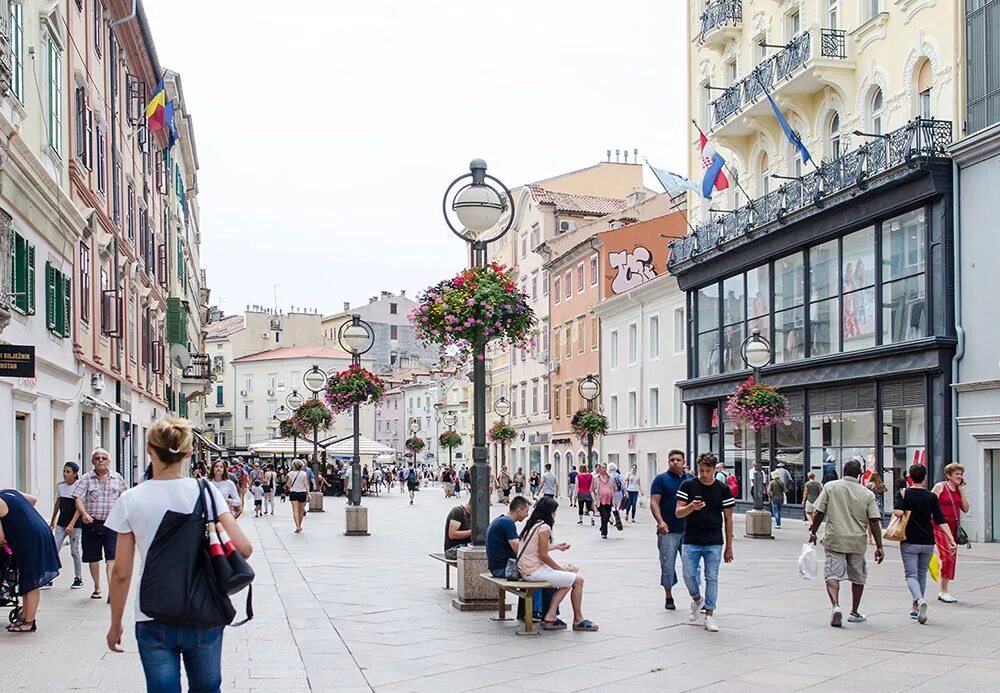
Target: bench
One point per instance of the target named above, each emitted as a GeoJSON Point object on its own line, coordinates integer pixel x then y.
{"type": "Point", "coordinates": [521, 590]}
{"type": "Point", "coordinates": [449, 563]}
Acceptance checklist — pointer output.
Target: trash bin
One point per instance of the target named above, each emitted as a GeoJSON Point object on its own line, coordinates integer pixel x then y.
{"type": "Point", "coordinates": [315, 502]}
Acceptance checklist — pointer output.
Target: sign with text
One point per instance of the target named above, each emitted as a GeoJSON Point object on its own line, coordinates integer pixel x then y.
{"type": "Point", "coordinates": [17, 361]}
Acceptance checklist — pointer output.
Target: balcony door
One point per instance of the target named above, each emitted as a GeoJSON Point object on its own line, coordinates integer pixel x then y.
{"type": "Point", "coordinates": [832, 14]}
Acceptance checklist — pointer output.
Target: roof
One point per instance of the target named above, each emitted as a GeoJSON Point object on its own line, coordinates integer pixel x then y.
{"type": "Point", "coordinates": [314, 352]}
{"type": "Point", "coordinates": [576, 204]}
{"type": "Point", "coordinates": [225, 327]}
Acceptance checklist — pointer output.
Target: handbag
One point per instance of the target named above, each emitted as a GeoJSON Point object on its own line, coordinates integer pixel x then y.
{"type": "Point", "coordinates": [231, 569]}
{"type": "Point", "coordinates": [896, 531]}
{"type": "Point", "coordinates": [961, 536]}
{"type": "Point", "coordinates": [510, 571]}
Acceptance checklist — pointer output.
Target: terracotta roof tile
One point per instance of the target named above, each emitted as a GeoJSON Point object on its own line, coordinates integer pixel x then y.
{"type": "Point", "coordinates": [224, 328]}
{"type": "Point", "coordinates": [576, 204]}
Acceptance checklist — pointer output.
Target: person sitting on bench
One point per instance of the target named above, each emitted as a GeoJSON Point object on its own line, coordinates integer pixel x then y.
{"type": "Point", "coordinates": [457, 528]}
{"type": "Point", "coordinates": [501, 536]}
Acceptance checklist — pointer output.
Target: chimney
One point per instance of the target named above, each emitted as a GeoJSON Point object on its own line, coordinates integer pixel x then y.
{"type": "Point", "coordinates": [347, 306]}
{"type": "Point", "coordinates": [615, 224]}
{"type": "Point", "coordinates": [386, 294]}
{"type": "Point", "coordinates": [635, 197]}
{"type": "Point", "coordinates": [402, 293]}
{"type": "Point", "coordinates": [373, 299]}
{"type": "Point", "coordinates": [609, 156]}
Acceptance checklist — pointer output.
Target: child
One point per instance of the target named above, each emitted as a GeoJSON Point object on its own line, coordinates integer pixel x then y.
{"type": "Point", "coordinates": [64, 521]}
{"type": "Point", "coordinates": [258, 498]}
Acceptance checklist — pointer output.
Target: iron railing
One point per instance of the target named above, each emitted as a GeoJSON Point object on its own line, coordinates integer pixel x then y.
{"type": "Point", "coordinates": [719, 14]}
{"type": "Point", "coordinates": [781, 66]}
{"type": "Point", "coordinates": [921, 138]}
{"type": "Point", "coordinates": [200, 367]}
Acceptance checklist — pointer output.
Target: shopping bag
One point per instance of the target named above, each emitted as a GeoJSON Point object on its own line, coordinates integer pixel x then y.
{"type": "Point", "coordinates": [934, 568]}
{"type": "Point", "coordinates": [808, 564]}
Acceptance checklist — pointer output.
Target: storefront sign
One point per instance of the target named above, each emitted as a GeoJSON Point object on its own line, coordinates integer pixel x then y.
{"type": "Point", "coordinates": [17, 361]}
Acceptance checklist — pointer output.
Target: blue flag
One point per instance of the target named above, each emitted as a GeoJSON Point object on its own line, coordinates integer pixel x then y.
{"type": "Point", "coordinates": [789, 133]}
{"type": "Point", "coordinates": [673, 183]}
{"type": "Point", "coordinates": [171, 125]}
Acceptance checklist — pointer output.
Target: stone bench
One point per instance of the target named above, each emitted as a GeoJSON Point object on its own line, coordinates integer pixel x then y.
{"type": "Point", "coordinates": [449, 563]}
{"type": "Point", "coordinates": [520, 589]}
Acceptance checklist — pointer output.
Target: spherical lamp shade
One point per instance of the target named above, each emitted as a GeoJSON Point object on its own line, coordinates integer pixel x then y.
{"type": "Point", "coordinates": [449, 419]}
{"type": "Point", "coordinates": [501, 407]}
{"type": "Point", "coordinates": [590, 389]}
{"type": "Point", "coordinates": [294, 400]}
{"type": "Point", "coordinates": [273, 423]}
{"type": "Point", "coordinates": [414, 426]}
{"type": "Point", "coordinates": [355, 338]}
{"type": "Point", "coordinates": [757, 352]}
{"type": "Point", "coordinates": [282, 414]}
{"type": "Point", "coordinates": [314, 379]}
{"type": "Point", "coordinates": [478, 208]}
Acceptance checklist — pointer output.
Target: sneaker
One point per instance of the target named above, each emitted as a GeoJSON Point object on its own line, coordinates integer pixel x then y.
{"type": "Point", "coordinates": [592, 524]}
{"type": "Point", "coordinates": [855, 617]}
{"type": "Point", "coordinates": [946, 598]}
{"type": "Point", "coordinates": [836, 617]}
{"type": "Point", "coordinates": [710, 625]}
{"type": "Point", "coordinates": [46, 586]}
{"type": "Point", "coordinates": [922, 612]}
{"type": "Point", "coordinates": [695, 610]}
{"type": "Point", "coordinates": [580, 522]}
{"type": "Point", "coordinates": [77, 584]}
{"type": "Point", "coordinates": [669, 605]}
{"type": "Point", "coordinates": [913, 615]}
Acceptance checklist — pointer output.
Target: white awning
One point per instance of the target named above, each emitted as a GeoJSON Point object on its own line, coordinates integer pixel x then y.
{"type": "Point", "coordinates": [90, 400]}
{"type": "Point", "coordinates": [367, 448]}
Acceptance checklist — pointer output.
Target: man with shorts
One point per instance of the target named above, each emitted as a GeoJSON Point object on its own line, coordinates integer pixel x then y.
{"type": "Point", "coordinates": [669, 527]}
{"type": "Point", "coordinates": [412, 482]}
{"type": "Point", "coordinates": [572, 486]}
{"type": "Point", "coordinates": [96, 493]}
{"type": "Point", "coordinates": [850, 512]}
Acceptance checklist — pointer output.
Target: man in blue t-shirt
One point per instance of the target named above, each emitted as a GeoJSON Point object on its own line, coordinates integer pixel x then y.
{"type": "Point", "coordinates": [669, 527]}
{"type": "Point", "coordinates": [501, 536]}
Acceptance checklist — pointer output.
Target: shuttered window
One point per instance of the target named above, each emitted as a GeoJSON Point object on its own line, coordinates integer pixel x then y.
{"type": "Point", "coordinates": [982, 26]}
{"type": "Point", "coordinates": [58, 301]}
{"type": "Point", "coordinates": [22, 283]}
{"type": "Point", "coordinates": [176, 321]}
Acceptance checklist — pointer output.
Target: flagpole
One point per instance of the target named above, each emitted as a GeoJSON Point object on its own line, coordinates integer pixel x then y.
{"type": "Point", "coordinates": [733, 174]}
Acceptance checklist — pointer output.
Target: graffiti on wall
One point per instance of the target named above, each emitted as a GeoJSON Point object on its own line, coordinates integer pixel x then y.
{"type": "Point", "coordinates": [633, 269]}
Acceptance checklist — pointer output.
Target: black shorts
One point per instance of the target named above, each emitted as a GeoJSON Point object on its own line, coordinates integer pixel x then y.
{"type": "Point", "coordinates": [98, 542]}
{"type": "Point", "coordinates": [257, 503]}
{"type": "Point", "coordinates": [413, 486]}
{"type": "Point", "coordinates": [298, 496]}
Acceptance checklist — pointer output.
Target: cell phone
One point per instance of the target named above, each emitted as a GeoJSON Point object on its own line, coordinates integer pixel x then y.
{"type": "Point", "coordinates": [697, 498]}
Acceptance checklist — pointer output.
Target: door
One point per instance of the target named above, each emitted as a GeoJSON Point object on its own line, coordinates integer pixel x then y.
{"type": "Point", "coordinates": [22, 452]}
{"type": "Point", "coordinates": [994, 468]}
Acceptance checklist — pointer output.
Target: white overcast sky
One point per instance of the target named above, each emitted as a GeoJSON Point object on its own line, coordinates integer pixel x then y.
{"type": "Point", "coordinates": [328, 130]}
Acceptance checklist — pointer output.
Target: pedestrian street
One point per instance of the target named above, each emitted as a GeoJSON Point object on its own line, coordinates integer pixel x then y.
{"type": "Point", "coordinates": [369, 613]}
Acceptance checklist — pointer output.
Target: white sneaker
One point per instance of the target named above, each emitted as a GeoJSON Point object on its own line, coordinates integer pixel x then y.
{"type": "Point", "coordinates": [695, 610]}
{"type": "Point", "coordinates": [946, 598]}
{"type": "Point", "coordinates": [922, 612]}
{"type": "Point", "coordinates": [836, 617]}
{"type": "Point", "coordinates": [856, 617]}
{"type": "Point", "coordinates": [710, 625]}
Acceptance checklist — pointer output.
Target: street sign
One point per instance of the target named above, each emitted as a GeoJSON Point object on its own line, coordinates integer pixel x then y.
{"type": "Point", "coordinates": [17, 361]}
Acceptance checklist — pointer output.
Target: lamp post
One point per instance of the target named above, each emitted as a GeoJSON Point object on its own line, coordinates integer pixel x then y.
{"type": "Point", "coordinates": [756, 353]}
{"type": "Point", "coordinates": [414, 429]}
{"type": "Point", "coordinates": [356, 337]}
{"type": "Point", "coordinates": [502, 408]}
{"type": "Point", "coordinates": [590, 389]}
{"type": "Point", "coordinates": [315, 380]}
{"type": "Point", "coordinates": [449, 420]}
{"type": "Point", "coordinates": [294, 401]}
{"type": "Point", "coordinates": [479, 205]}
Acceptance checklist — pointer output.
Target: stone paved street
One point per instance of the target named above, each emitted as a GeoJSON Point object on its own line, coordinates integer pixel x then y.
{"type": "Point", "coordinates": [360, 614]}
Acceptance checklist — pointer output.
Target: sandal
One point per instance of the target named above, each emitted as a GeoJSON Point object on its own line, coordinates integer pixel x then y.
{"type": "Point", "coordinates": [22, 627]}
{"type": "Point", "coordinates": [585, 625]}
{"type": "Point", "coordinates": [97, 595]}
{"type": "Point", "coordinates": [558, 624]}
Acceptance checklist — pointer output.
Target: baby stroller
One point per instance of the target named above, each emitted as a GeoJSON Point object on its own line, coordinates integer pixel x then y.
{"type": "Point", "coordinates": [8, 584]}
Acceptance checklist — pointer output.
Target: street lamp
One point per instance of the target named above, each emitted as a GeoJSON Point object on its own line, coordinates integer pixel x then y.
{"type": "Point", "coordinates": [294, 401]}
{"type": "Point", "coordinates": [479, 205]}
{"type": "Point", "coordinates": [502, 408]}
{"type": "Point", "coordinates": [357, 337]}
{"type": "Point", "coordinates": [414, 429]}
{"type": "Point", "coordinates": [315, 380]}
{"type": "Point", "coordinates": [756, 352]}
{"type": "Point", "coordinates": [449, 420]}
{"type": "Point", "coordinates": [590, 389]}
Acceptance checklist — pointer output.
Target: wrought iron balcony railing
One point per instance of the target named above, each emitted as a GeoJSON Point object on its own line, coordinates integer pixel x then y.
{"type": "Point", "coordinates": [779, 67]}
{"type": "Point", "coordinates": [200, 367]}
{"type": "Point", "coordinates": [921, 138]}
{"type": "Point", "coordinates": [719, 14]}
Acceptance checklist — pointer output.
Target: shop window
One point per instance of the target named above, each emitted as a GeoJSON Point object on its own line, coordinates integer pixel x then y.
{"type": "Point", "coordinates": [708, 329]}
{"type": "Point", "coordinates": [858, 279]}
{"type": "Point", "coordinates": [789, 316]}
{"type": "Point", "coordinates": [824, 306]}
{"type": "Point", "coordinates": [733, 316]}
{"type": "Point", "coordinates": [904, 302]}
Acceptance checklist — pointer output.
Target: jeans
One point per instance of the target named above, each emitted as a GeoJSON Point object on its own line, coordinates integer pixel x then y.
{"type": "Point", "coordinates": [776, 511]}
{"type": "Point", "coordinates": [633, 503]}
{"type": "Point", "coordinates": [161, 647]}
{"type": "Point", "coordinates": [669, 545]}
{"type": "Point", "coordinates": [60, 534]}
{"type": "Point", "coordinates": [691, 555]}
{"type": "Point", "coordinates": [916, 558]}
{"type": "Point", "coordinates": [605, 511]}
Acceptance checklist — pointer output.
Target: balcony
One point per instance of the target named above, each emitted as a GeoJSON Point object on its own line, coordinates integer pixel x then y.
{"type": "Point", "coordinates": [721, 21]}
{"type": "Point", "coordinates": [870, 165]}
{"type": "Point", "coordinates": [200, 368]}
{"type": "Point", "coordinates": [792, 70]}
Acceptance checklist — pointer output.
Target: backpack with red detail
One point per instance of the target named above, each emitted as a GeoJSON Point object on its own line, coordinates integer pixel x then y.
{"type": "Point", "coordinates": [734, 485]}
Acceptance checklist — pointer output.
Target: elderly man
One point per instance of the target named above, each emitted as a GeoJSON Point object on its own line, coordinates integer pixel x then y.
{"type": "Point", "coordinates": [96, 493]}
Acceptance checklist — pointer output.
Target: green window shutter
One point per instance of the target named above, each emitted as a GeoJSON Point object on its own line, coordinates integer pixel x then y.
{"type": "Point", "coordinates": [30, 277]}
{"type": "Point", "coordinates": [17, 272]}
{"type": "Point", "coordinates": [176, 321]}
{"type": "Point", "coordinates": [67, 313]}
{"type": "Point", "coordinates": [51, 291]}
{"type": "Point", "coordinates": [218, 396]}
{"type": "Point", "coordinates": [182, 406]}
{"type": "Point", "coordinates": [180, 258]}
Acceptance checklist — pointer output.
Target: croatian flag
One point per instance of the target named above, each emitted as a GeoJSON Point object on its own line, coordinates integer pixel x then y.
{"type": "Point", "coordinates": [712, 162]}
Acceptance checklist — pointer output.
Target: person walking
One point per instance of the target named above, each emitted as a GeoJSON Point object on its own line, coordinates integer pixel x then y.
{"type": "Point", "coordinates": [298, 492]}
{"type": "Point", "coordinates": [619, 497]}
{"type": "Point", "coordinates": [669, 527]}
{"type": "Point", "coordinates": [707, 505]}
{"type": "Point", "coordinates": [850, 513]}
{"type": "Point", "coordinates": [230, 493]}
{"type": "Point", "coordinates": [535, 484]}
{"type": "Point", "coordinates": [36, 557]}
{"type": "Point", "coordinates": [519, 482]}
{"type": "Point", "coordinates": [810, 492]}
{"type": "Point", "coordinates": [605, 495]}
{"type": "Point", "coordinates": [64, 522]}
{"type": "Point", "coordinates": [954, 502]}
{"type": "Point", "coordinates": [550, 484]}
{"type": "Point", "coordinates": [505, 485]}
{"type": "Point", "coordinates": [876, 486]}
{"type": "Point", "coordinates": [413, 483]}
{"type": "Point", "coordinates": [95, 494]}
{"type": "Point", "coordinates": [137, 518]}
{"type": "Point", "coordinates": [776, 489]}
{"type": "Point", "coordinates": [917, 547]}
{"type": "Point", "coordinates": [571, 486]}
{"type": "Point", "coordinates": [633, 487]}
{"type": "Point", "coordinates": [280, 480]}
{"type": "Point", "coordinates": [584, 496]}
{"type": "Point", "coordinates": [269, 481]}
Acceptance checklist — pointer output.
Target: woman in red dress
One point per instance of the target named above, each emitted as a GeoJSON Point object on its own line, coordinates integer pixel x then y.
{"type": "Point", "coordinates": [954, 502]}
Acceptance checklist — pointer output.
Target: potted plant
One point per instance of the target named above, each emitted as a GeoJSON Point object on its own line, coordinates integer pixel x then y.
{"type": "Point", "coordinates": [286, 429]}
{"type": "Point", "coordinates": [501, 432]}
{"type": "Point", "coordinates": [415, 445]}
{"type": "Point", "coordinates": [353, 386]}
{"type": "Point", "coordinates": [757, 406]}
{"type": "Point", "coordinates": [474, 308]}
{"type": "Point", "coordinates": [589, 423]}
{"type": "Point", "coordinates": [311, 417]}
{"type": "Point", "coordinates": [450, 439]}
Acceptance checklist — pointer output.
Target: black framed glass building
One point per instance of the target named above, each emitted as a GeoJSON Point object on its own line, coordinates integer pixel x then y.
{"type": "Point", "coordinates": [852, 285]}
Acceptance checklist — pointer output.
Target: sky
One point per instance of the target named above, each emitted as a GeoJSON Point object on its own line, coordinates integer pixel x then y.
{"type": "Point", "coordinates": [328, 130]}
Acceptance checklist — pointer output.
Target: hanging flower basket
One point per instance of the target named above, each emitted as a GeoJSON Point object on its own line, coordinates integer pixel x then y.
{"type": "Point", "coordinates": [587, 422]}
{"type": "Point", "coordinates": [312, 415]}
{"type": "Point", "coordinates": [354, 386]}
{"type": "Point", "coordinates": [415, 444]}
{"type": "Point", "coordinates": [501, 432]}
{"type": "Point", "coordinates": [286, 429]}
{"type": "Point", "coordinates": [475, 307]}
{"type": "Point", "coordinates": [450, 439]}
{"type": "Point", "coordinates": [756, 406]}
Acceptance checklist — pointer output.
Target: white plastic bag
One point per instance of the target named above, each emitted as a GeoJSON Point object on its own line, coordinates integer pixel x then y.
{"type": "Point", "coordinates": [808, 564]}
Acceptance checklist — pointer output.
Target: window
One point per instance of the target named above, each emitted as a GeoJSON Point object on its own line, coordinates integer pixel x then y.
{"type": "Point", "coordinates": [832, 14]}
{"type": "Point", "coordinates": [924, 85]}
{"type": "Point", "coordinates": [878, 111]}
{"type": "Point", "coordinates": [763, 174]}
{"type": "Point", "coordinates": [613, 349]}
{"type": "Point", "coordinates": [116, 190]}
{"type": "Point", "coordinates": [545, 394]}
{"type": "Point", "coordinates": [81, 126]}
{"type": "Point", "coordinates": [568, 283]}
{"type": "Point", "coordinates": [613, 413]}
{"type": "Point", "coordinates": [633, 344]}
{"type": "Point", "coordinates": [654, 337]}
{"type": "Point", "coordinates": [534, 396]}
{"type": "Point", "coordinates": [729, 73]}
{"type": "Point", "coordinates": [654, 406]}
{"type": "Point", "coordinates": [556, 333]}
{"type": "Point", "coordinates": [17, 50]}
{"type": "Point", "coordinates": [98, 26]}
{"type": "Point", "coordinates": [393, 308]}
{"type": "Point", "coordinates": [858, 271]}
{"type": "Point", "coordinates": [130, 213]}
{"type": "Point", "coordinates": [545, 283]}
{"type": "Point", "coordinates": [833, 139]}
{"type": "Point", "coordinates": [794, 24]}
{"type": "Point", "coordinates": [58, 301]}
{"type": "Point", "coordinates": [247, 437]}
{"type": "Point", "coordinates": [872, 8]}
{"type": "Point", "coordinates": [579, 278]}
{"type": "Point", "coordinates": [55, 86]}
{"type": "Point", "coordinates": [789, 318]}
{"type": "Point", "coordinates": [84, 282]}
{"type": "Point", "coordinates": [569, 399]}
{"type": "Point", "coordinates": [680, 327]}
{"type": "Point", "coordinates": [631, 409]}
{"type": "Point", "coordinates": [102, 172]}
{"type": "Point", "coordinates": [580, 340]}
{"type": "Point", "coordinates": [534, 286]}
{"type": "Point", "coordinates": [247, 410]}
{"type": "Point", "coordinates": [569, 339]}
{"type": "Point", "coordinates": [595, 334]}
{"type": "Point", "coordinates": [393, 332]}
{"type": "Point", "coordinates": [23, 274]}
{"type": "Point", "coordinates": [248, 383]}
{"type": "Point", "coordinates": [593, 270]}
{"type": "Point", "coordinates": [904, 303]}
{"type": "Point", "coordinates": [556, 293]}
{"type": "Point", "coordinates": [678, 406]}
{"type": "Point", "coordinates": [983, 56]}
{"type": "Point", "coordinates": [523, 391]}
{"type": "Point", "coordinates": [557, 402]}
{"type": "Point", "coordinates": [536, 236]}
{"type": "Point", "coordinates": [524, 245]}
{"type": "Point", "coordinates": [219, 400]}
{"type": "Point", "coordinates": [708, 329]}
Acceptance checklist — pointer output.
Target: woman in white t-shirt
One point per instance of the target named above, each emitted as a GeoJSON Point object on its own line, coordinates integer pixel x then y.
{"type": "Point", "coordinates": [137, 516]}
{"type": "Point", "coordinates": [297, 484]}
{"type": "Point", "coordinates": [220, 479]}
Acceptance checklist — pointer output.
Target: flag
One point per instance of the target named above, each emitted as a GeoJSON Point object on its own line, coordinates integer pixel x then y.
{"type": "Point", "coordinates": [156, 109]}
{"type": "Point", "coordinates": [789, 133]}
{"type": "Point", "coordinates": [171, 125]}
{"type": "Point", "coordinates": [712, 162]}
{"type": "Point", "coordinates": [673, 183]}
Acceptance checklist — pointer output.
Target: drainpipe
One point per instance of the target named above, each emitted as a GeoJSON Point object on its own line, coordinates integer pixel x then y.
{"type": "Point", "coordinates": [956, 189]}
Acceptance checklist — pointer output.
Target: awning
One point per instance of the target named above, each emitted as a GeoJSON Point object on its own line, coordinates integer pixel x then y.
{"type": "Point", "coordinates": [281, 446]}
{"type": "Point", "coordinates": [101, 404]}
{"type": "Point", "coordinates": [366, 448]}
{"type": "Point", "coordinates": [200, 437]}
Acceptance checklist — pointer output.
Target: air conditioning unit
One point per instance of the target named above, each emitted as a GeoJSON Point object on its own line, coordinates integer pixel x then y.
{"type": "Point", "coordinates": [97, 381]}
{"type": "Point", "coordinates": [270, 393]}
{"type": "Point", "coordinates": [542, 356]}
{"type": "Point", "coordinates": [553, 366]}
{"type": "Point", "coordinates": [266, 335]}
{"type": "Point", "coordinates": [566, 226]}
{"type": "Point", "coordinates": [243, 393]}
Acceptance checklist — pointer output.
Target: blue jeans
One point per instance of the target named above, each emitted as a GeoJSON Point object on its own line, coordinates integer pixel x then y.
{"type": "Point", "coordinates": [633, 503]}
{"type": "Point", "coordinates": [776, 511]}
{"type": "Point", "coordinates": [916, 558]}
{"type": "Point", "coordinates": [669, 546]}
{"type": "Point", "coordinates": [161, 647]}
{"type": "Point", "coordinates": [691, 556]}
